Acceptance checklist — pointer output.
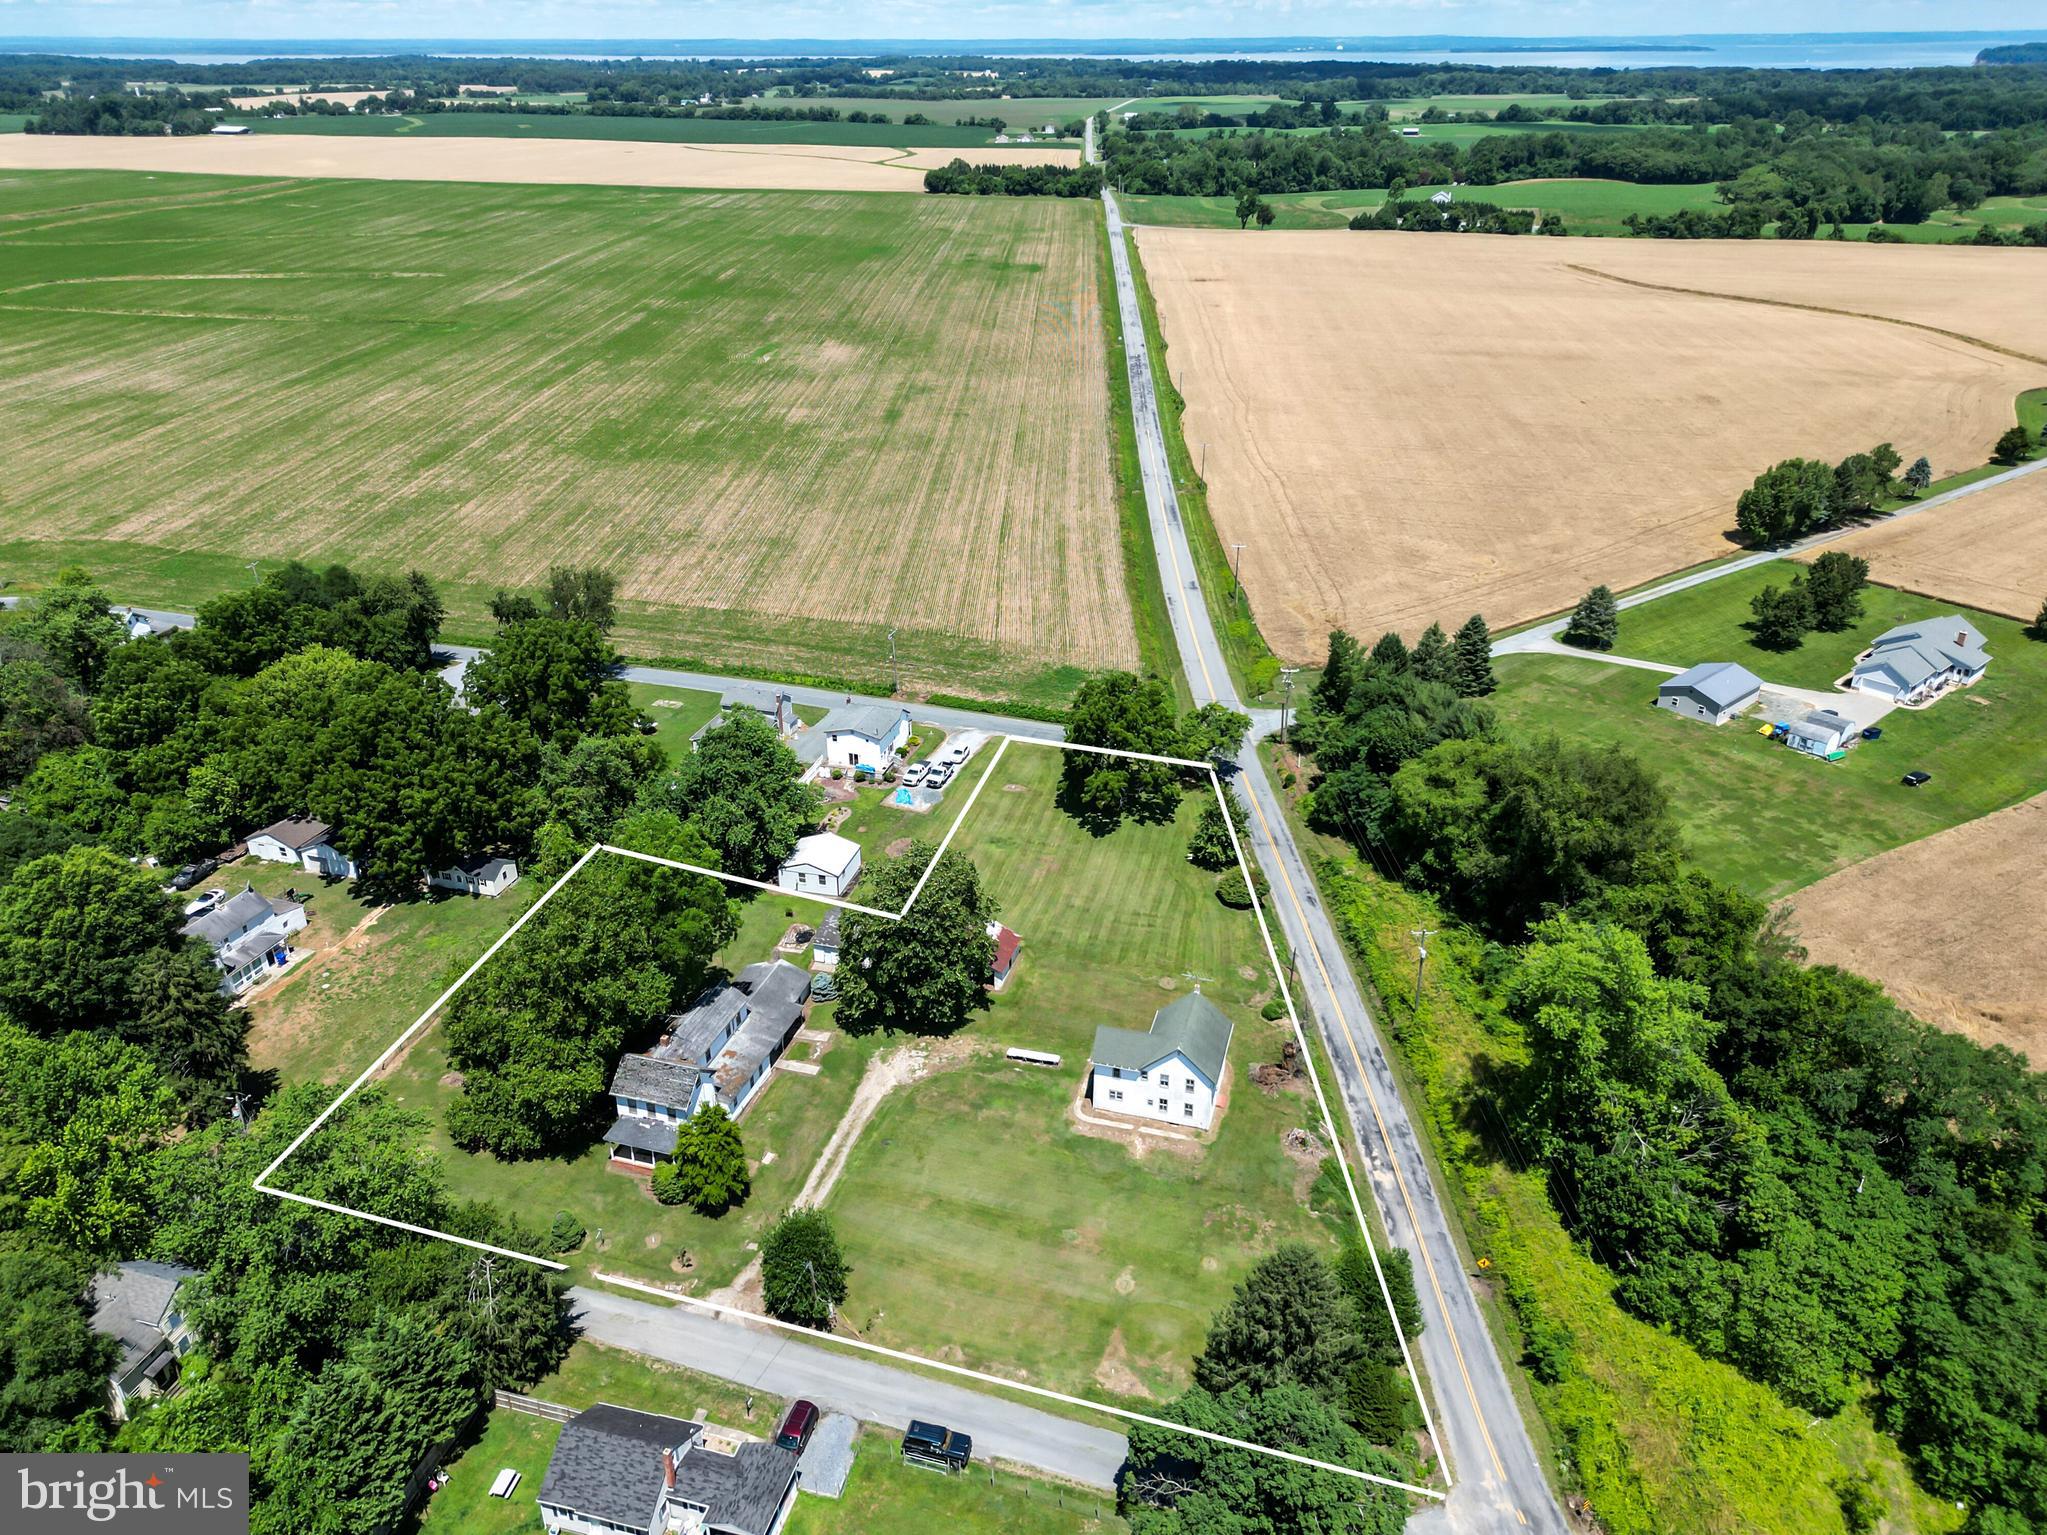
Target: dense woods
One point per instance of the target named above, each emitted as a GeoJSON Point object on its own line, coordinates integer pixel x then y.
{"type": "Point", "coordinates": [1773, 1159]}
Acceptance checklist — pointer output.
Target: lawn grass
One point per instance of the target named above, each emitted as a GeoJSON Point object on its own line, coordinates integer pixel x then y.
{"type": "Point", "coordinates": [631, 1233]}
{"type": "Point", "coordinates": [1588, 205]}
{"type": "Point", "coordinates": [884, 1496]}
{"type": "Point", "coordinates": [715, 394]}
{"type": "Point", "coordinates": [877, 824]}
{"type": "Point", "coordinates": [981, 1227]}
{"type": "Point", "coordinates": [648, 130]}
{"type": "Point", "coordinates": [1767, 819]}
{"type": "Point", "coordinates": [1657, 1437]}
{"type": "Point", "coordinates": [677, 713]}
{"type": "Point", "coordinates": [329, 1015]}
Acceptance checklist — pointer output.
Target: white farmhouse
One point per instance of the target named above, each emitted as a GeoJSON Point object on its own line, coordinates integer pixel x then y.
{"type": "Point", "coordinates": [476, 876]}
{"type": "Point", "coordinates": [1917, 662]}
{"type": "Point", "coordinates": [869, 736]}
{"type": "Point", "coordinates": [721, 1051]}
{"type": "Point", "coordinates": [1170, 1072]}
{"type": "Point", "coordinates": [249, 935]}
{"type": "Point", "coordinates": [824, 863]}
{"type": "Point", "coordinates": [305, 843]}
{"type": "Point", "coordinates": [1713, 691]}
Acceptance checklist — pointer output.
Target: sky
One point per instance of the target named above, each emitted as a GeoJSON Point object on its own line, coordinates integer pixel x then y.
{"type": "Point", "coordinates": [1077, 19]}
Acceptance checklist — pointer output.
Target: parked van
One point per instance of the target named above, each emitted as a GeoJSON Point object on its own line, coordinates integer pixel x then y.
{"type": "Point", "coordinates": [932, 1444]}
{"type": "Point", "coordinates": [798, 1424]}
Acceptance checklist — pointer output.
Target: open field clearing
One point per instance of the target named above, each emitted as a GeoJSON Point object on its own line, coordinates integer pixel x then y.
{"type": "Point", "coordinates": [1019, 112]}
{"type": "Point", "coordinates": [764, 412]}
{"type": "Point", "coordinates": [984, 1224]}
{"type": "Point", "coordinates": [1971, 900]}
{"type": "Point", "coordinates": [551, 162]}
{"type": "Point", "coordinates": [1402, 436]}
{"type": "Point", "coordinates": [1988, 550]}
{"type": "Point", "coordinates": [1588, 205]}
{"type": "Point", "coordinates": [1767, 819]}
{"type": "Point", "coordinates": [657, 130]}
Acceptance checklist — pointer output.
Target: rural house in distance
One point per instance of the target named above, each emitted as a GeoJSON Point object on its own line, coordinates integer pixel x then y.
{"type": "Point", "coordinates": [1915, 663]}
{"type": "Point", "coordinates": [248, 934]}
{"type": "Point", "coordinates": [136, 1306]}
{"type": "Point", "coordinates": [305, 843]}
{"type": "Point", "coordinates": [616, 1470]}
{"type": "Point", "coordinates": [1170, 1072]}
{"type": "Point", "coordinates": [1713, 691]}
{"type": "Point", "coordinates": [720, 1051]}
{"type": "Point", "coordinates": [479, 875]}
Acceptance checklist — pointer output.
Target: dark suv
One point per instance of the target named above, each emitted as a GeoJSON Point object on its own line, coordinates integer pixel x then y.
{"type": "Point", "coordinates": [930, 1444]}
{"type": "Point", "coordinates": [192, 873]}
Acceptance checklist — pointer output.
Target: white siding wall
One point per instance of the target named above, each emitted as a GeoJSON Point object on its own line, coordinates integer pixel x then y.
{"type": "Point", "coordinates": [270, 850]}
{"type": "Point", "coordinates": [1164, 1094]}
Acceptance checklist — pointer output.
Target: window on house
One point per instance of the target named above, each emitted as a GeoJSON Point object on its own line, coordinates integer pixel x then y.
{"type": "Point", "coordinates": [1166, 1082]}
{"type": "Point", "coordinates": [1190, 1108]}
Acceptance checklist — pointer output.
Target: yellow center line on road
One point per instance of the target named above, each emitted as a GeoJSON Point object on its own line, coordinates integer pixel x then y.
{"type": "Point", "coordinates": [1343, 1021]}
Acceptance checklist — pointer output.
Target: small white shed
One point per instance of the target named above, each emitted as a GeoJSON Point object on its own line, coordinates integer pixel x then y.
{"type": "Point", "coordinates": [823, 864]}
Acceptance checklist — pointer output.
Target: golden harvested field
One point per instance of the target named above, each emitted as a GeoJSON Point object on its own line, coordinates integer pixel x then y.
{"type": "Point", "coordinates": [1949, 924]}
{"type": "Point", "coordinates": [553, 162]}
{"type": "Point", "coordinates": [1987, 550]}
{"type": "Point", "coordinates": [1407, 428]}
{"type": "Point", "coordinates": [787, 421]}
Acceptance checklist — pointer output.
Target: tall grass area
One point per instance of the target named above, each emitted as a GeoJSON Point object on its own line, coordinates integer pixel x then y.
{"type": "Point", "coordinates": [1655, 1437]}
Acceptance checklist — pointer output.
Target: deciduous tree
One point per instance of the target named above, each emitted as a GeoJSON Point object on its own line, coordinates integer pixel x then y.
{"type": "Point", "coordinates": [2014, 446]}
{"type": "Point", "coordinates": [73, 928]}
{"type": "Point", "coordinates": [803, 1272]}
{"type": "Point", "coordinates": [928, 973]}
{"type": "Point", "coordinates": [1129, 713]}
{"type": "Point", "coordinates": [740, 789]}
{"type": "Point", "coordinates": [1783, 615]}
{"type": "Point", "coordinates": [557, 676]}
{"type": "Point", "coordinates": [75, 627]}
{"type": "Point", "coordinates": [1787, 499]}
{"type": "Point", "coordinates": [1833, 585]}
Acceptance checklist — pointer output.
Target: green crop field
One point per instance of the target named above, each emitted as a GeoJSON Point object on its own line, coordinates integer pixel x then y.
{"type": "Point", "coordinates": [1755, 813]}
{"type": "Point", "coordinates": [982, 1225]}
{"type": "Point", "coordinates": [787, 421]}
{"type": "Point", "coordinates": [656, 130]}
{"type": "Point", "coordinates": [1588, 206]}
{"type": "Point", "coordinates": [1020, 112]}
{"type": "Point", "coordinates": [1401, 107]}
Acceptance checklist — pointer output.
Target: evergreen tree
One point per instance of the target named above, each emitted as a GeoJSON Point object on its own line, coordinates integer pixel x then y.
{"type": "Point", "coordinates": [1471, 666]}
{"type": "Point", "coordinates": [1289, 1321]}
{"type": "Point", "coordinates": [1433, 660]}
{"type": "Point", "coordinates": [1596, 622]}
{"type": "Point", "coordinates": [1209, 847]}
{"type": "Point", "coordinates": [1919, 476]}
{"type": "Point", "coordinates": [708, 1172]}
{"type": "Point", "coordinates": [1390, 653]}
{"type": "Point", "coordinates": [1339, 673]}
{"type": "Point", "coordinates": [1377, 1401]}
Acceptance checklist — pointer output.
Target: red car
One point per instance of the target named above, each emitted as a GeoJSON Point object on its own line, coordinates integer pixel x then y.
{"type": "Point", "coordinates": [798, 1423]}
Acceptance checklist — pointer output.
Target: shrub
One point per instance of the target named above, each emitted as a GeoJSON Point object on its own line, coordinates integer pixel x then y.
{"type": "Point", "coordinates": [566, 1234]}
{"type": "Point", "coordinates": [1273, 1011]}
{"type": "Point", "coordinates": [803, 1273]}
{"type": "Point", "coordinates": [1233, 893]}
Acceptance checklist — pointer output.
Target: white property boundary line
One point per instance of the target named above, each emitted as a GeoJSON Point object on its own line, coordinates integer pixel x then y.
{"type": "Point", "coordinates": [262, 1183]}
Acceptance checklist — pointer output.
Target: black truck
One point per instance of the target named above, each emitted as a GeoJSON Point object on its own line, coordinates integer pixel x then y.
{"type": "Point", "coordinates": [931, 1444]}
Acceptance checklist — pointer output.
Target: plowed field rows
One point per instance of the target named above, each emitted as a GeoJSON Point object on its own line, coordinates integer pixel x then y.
{"type": "Point", "coordinates": [788, 421]}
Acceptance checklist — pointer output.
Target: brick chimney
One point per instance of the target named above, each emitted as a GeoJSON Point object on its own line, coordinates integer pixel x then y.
{"type": "Point", "coordinates": [668, 1470]}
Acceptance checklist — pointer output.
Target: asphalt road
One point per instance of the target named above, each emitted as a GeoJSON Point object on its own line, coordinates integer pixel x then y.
{"type": "Point", "coordinates": [1543, 637]}
{"type": "Point", "coordinates": [1498, 1482]}
{"type": "Point", "coordinates": [777, 1365]}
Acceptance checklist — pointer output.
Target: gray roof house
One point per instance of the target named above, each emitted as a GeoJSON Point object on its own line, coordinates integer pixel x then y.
{"type": "Point", "coordinates": [615, 1470]}
{"type": "Point", "coordinates": [1177, 1063]}
{"type": "Point", "coordinates": [864, 735]}
{"type": "Point", "coordinates": [1916, 662]}
{"type": "Point", "coordinates": [136, 1306]}
{"type": "Point", "coordinates": [1819, 733]}
{"type": "Point", "coordinates": [249, 934]}
{"type": "Point", "coordinates": [774, 705]}
{"type": "Point", "coordinates": [720, 1051]}
{"type": "Point", "coordinates": [1714, 691]}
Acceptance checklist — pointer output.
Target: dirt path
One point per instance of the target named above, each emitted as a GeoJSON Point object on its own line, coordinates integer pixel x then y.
{"type": "Point", "coordinates": [885, 1073]}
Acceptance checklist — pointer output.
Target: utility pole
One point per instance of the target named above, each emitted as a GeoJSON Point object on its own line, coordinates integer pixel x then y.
{"type": "Point", "coordinates": [1286, 677]}
{"type": "Point", "coordinates": [239, 1104]}
{"type": "Point", "coordinates": [895, 677]}
{"type": "Point", "coordinates": [1236, 558]}
{"type": "Point", "coordinates": [1422, 935]}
